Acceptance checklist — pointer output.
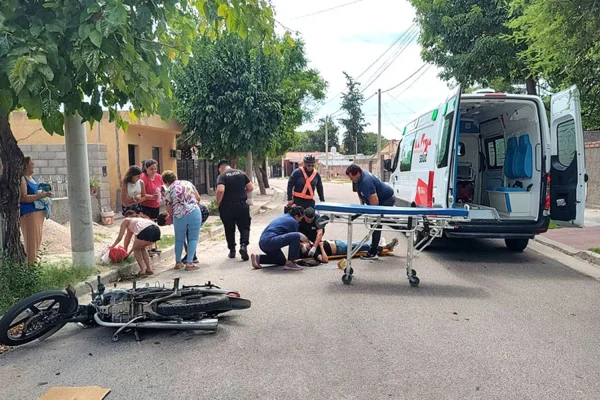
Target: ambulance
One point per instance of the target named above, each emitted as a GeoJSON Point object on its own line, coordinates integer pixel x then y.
{"type": "Point", "coordinates": [500, 155]}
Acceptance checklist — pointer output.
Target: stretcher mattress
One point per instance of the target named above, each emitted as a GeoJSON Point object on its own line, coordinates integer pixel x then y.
{"type": "Point", "coordinates": [385, 210]}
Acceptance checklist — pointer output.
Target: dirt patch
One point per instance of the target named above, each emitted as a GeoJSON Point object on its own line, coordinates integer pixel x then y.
{"type": "Point", "coordinates": [56, 238]}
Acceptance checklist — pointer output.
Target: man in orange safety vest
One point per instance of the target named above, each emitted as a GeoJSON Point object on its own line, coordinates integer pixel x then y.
{"type": "Point", "coordinates": [302, 184]}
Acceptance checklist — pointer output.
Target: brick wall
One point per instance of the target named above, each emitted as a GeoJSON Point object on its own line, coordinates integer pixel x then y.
{"type": "Point", "coordinates": [51, 166]}
{"type": "Point", "coordinates": [592, 166]}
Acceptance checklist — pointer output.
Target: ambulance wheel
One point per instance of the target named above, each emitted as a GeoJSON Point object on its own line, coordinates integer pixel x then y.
{"type": "Point", "coordinates": [417, 237]}
{"type": "Point", "coordinates": [414, 281]}
{"type": "Point", "coordinates": [346, 279]}
{"type": "Point", "coordinates": [351, 271]}
{"type": "Point", "coordinates": [516, 245]}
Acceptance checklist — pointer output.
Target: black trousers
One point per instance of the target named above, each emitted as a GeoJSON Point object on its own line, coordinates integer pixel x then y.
{"type": "Point", "coordinates": [232, 215]}
{"type": "Point", "coordinates": [304, 203]}
{"type": "Point", "coordinates": [377, 234]}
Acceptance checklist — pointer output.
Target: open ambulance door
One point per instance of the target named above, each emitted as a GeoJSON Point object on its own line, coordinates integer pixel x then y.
{"type": "Point", "coordinates": [567, 160]}
{"type": "Point", "coordinates": [446, 160]}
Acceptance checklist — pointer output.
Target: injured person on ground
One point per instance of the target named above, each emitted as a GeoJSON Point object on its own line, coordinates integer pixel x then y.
{"type": "Point", "coordinates": [335, 249]}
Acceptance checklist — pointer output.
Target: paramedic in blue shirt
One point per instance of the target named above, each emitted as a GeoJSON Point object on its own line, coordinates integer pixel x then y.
{"type": "Point", "coordinates": [372, 192]}
{"type": "Point", "coordinates": [281, 232]}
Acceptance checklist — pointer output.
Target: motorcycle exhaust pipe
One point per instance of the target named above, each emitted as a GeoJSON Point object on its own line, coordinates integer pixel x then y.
{"type": "Point", "coordinates": [208, 324]}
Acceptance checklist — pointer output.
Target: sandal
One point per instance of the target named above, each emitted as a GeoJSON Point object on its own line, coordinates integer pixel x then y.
{"type": "Point", "coordinates": [178, 265]}
{"type": "Point", "coordinates": [191, 267]}
{"type": "Point", "coordinates": [149, 272]}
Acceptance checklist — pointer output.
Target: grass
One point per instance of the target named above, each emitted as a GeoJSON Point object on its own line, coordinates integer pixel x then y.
{"type": "Point", "coordinates": [552, 225]}
{"type": "Point", "coordinates": [98, 237]}
{"type": "Point", "coordinates": [18, 281]}
{"type": "Point", "coordinates": [167, 241]}
{"type": "Point", "coordinates": [595, 250]}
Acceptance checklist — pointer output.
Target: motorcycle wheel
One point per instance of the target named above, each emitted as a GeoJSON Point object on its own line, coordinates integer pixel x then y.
{"type": "Point", "coordinates": [24, 322]}
{"type": "Point", "coordinates": [193, 305]}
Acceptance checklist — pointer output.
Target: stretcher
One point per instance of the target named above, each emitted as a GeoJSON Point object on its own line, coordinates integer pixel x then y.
{"type": "Point", "coordinates": [429, 223]}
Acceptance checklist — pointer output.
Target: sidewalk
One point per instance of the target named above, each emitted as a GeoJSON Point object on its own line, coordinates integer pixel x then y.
{"type": "Point", "coordinates": [576, 242]}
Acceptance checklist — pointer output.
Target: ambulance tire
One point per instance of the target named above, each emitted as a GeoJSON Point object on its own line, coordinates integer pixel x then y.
{"type": "Point", "coordinates": [516, 245]}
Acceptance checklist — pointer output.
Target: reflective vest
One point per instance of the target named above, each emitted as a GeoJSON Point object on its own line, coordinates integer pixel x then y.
{"type": "Point", "coordinates": [307, 192]}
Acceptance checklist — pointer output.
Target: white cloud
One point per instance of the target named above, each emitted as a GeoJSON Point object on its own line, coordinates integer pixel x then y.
{"type": "Point", "coordinates": [349, 39]}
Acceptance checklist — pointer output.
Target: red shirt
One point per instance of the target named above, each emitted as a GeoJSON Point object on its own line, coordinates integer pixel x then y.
{"type": "Point", "coordinates": [152, 187]}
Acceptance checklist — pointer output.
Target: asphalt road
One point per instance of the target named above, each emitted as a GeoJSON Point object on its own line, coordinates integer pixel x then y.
{"type": "Point", "coordinates": [484, 324]}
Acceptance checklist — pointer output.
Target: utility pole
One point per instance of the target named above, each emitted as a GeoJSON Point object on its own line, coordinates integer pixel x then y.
{"type": "Point", "coordinates": [379, 169]}
{"type": "Point", "coordinates": [326, 147]}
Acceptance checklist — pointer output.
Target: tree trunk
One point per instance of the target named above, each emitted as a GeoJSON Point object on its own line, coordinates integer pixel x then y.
{"type": "Point", "coordinates": [261, 183]}
{"type": "Point", "coordinates": [249, 173]}
{"type": "Point", "coordinates": [234, 161]}
{"type": "Point", "coordinates": [531, 86]}
{"type": "Point", "coordinates": [265, 176]}
{"type": "Point", "coordinates": [11, 171]}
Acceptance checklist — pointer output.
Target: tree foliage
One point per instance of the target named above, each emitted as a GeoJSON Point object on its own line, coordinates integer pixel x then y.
{"type": "Point", "coordinates": [562, 44]}
{"type": "Point", "coordinates": [470, 41]}
{"type": "Point", "coordinates": [354, 125]}
{"type": "Point", "coordinates": [236, 97]}
{"type": "Point", "coordinates": [370, 146]}
{"type": "Point", "coordinates": [92, 53]}
{"type": "Point", "coordinates": [315, 140]}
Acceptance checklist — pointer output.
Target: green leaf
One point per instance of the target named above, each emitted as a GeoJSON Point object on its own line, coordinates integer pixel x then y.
{"type": "Point", "coordinates": [40, 58]}
{"type": "Point", "coordinates": [91, 59]}
{"type": "Point", "coordinates": [84, 30]}
{"type": "Point", "coordinates": [96, 37]}
{"type": "Point", "coordinates": [96, 112]}
{"type": "Point", "coordinates": [47, 72]}
{"type": "Point", "coordinates": [222, 10]}
{"type": "Point", "coordinates": [6, 102]}
{"type": "Point", "coordinates": [35, 84]}
{"type": "Point", "coordinates": [54, 123]}
{"type": "Point", "coordinates": [116, 14]}
{"type": "Point", "coordinates": [31, 103]}
{"type": "Point", "coordinates": [55, 27]}
{"type": "Point", "coordinates": [35, 30]}
{"type": "Point", "coordinates": [4, 46]}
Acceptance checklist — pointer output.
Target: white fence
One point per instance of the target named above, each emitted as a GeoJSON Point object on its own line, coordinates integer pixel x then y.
{"type": "Point", "coordinates": [59, 184]}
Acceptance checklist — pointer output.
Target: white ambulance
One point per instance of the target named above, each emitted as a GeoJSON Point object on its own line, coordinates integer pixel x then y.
{"type": "Point", "coordinates": [498, 154]}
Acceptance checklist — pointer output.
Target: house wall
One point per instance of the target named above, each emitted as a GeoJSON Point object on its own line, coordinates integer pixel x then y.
{"type": "Point", "coordinates": [592, 166]}
{"type": "Point", "coordinates": [143, 133]}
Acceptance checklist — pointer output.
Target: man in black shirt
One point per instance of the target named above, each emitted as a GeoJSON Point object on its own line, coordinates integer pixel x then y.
{"type": "Point", "coordinates": [308, 226]}
{"type": "Point", "coordinates": [233, 187]}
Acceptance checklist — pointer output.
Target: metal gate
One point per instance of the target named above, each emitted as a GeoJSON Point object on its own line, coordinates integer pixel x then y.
{"type": "Point", "coordinates": [193, 171]}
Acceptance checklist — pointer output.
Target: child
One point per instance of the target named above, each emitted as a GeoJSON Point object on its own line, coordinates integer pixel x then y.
{"type": "Point", "coordinates": [146, 233]}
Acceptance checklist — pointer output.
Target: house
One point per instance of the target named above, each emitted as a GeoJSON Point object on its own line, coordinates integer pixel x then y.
{"type": "Point", "coordinates": [110, 151]}
{"type": "Point", "coordinates": [294, 159]}
{"type": "Point", "coordinates": [388, 152]}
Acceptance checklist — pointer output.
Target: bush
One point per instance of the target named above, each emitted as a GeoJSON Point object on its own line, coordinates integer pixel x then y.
{"type": "Point", "coordinates": [18, 281]}
{"type": "Point", "coordinates": [213, 208]}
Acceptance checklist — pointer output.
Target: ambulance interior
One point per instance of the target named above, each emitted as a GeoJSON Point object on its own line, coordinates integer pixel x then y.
{"type": "Point", "coordinates": [498, 171]}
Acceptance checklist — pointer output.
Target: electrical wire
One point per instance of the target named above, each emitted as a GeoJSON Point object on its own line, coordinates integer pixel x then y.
{"type": "Point", "coordinates": [413, 82]}
{"type": "Point", "coordinates": [326, 10]}
{"type": "Point", "coordinates": [405, 80]}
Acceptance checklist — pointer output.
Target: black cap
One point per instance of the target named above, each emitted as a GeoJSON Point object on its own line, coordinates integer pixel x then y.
{"type": "Point", "coordinates": [222, 163]}
{"type": "Point", "coordinates": [309, 212]}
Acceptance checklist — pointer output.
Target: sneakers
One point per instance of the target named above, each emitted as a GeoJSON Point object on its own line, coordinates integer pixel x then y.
{"type": "Point", "coordinates": [231, 253]}
{"type": "Point", "coordinates": [392, 244]}
{"type": "Point", "coordinates": [255, 263]}
{"type": "Point", "coordinates": [244, 253]}
{"type": "Point", "coordinates": [292, 266]}
{"type": "Point", "coordinates": [369, 256]}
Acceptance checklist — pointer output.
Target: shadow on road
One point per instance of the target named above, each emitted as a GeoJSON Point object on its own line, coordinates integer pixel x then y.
{"type": "Point", "coordinates": [401, 287]}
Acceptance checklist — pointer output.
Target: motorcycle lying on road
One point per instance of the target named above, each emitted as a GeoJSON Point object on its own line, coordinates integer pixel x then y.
{"type": "Point", "coordinates": [187, 308]}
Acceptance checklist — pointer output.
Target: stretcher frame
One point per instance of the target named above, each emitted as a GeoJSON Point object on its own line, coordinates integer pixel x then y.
{"type": "Point", "coordinates": [429, 222]}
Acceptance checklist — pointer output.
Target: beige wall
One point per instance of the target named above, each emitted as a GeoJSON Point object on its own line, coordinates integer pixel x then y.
{"type": "Point", "coordinates": [144, 133]}
{"type": "Point", "coordinates": [592, 166]}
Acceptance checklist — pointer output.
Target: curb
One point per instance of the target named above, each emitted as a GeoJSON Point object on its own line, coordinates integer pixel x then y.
{"type": "Point", "coordinates": [129, 269]}
{"type": "Point", "coordinates": [584, 255]}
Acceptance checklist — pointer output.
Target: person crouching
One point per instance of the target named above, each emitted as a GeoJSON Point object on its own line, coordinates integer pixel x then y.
{"type": "Point", "coordinates": [281, 232]}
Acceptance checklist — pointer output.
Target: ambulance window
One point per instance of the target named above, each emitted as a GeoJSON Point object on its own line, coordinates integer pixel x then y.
{"type": "Point", "coordinates": [496, 151]}
{"type": "Point", "coordinates": [395, 164]}
{"type": "Point", "coordinates": [442, 157]}
{"type": "Point", "coordinates": [406, 152]}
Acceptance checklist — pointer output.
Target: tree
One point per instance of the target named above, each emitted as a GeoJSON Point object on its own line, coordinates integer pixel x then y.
{"type": "Point", "coordinates": [60, 59]}
{"type": "Point", "coordinates": [370, 146]}
{"type": "Point", "coordinates": [315, 140]}
{"type": "Point", "coordinates": [236, 97]}
{"type": "Point", "coordinates": [561, 42]}
{"type": "Point", "coordinates": [352, 101]}
{"type": "Point", "coordinates": [471, 41]}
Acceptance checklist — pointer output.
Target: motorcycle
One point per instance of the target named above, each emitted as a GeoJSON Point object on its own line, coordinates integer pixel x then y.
{"type": "Point", "coordinates": [187, 308]}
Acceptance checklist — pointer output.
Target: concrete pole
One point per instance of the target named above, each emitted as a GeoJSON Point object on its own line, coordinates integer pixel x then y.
{"type": "Point", "coordinates": [327, 146]}
{"type": "Point", "coordinates": [80, 202]}
{"type": "Point", "coordinates": [379, 169]}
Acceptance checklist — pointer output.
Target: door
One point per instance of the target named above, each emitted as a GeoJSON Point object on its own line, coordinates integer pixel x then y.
{"type": "Point", "coordinates": [445, 163]}
{"type": "Point", "coordinates": [567, 160]}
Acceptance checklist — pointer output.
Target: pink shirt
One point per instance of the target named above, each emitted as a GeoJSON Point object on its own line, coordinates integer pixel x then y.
{"type": "Point", "coordinates": [152, 187]}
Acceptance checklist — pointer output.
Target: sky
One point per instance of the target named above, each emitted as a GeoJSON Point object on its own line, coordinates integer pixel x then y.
{"type": "Point", "coordinates": [352, 37]}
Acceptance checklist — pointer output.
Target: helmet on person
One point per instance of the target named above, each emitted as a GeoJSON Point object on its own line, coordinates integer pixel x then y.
{"type": "Point", "coordinates": [309, 158]}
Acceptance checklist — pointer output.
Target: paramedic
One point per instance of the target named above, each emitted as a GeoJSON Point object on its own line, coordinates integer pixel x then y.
{"type": "Point", "coordinates": [302, 184]}
{"type": "Point", "coordinates": [372, 192]}
{"type": "Point", "coordinates": [281, 232]}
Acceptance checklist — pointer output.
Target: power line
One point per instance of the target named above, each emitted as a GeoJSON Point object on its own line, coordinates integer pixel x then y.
{"type": "Point", "coordinates": [413, 82]}
{"type": "Point", "coordinates": [413, 74]}
{"type": "Point", "coordinates": [328, 9]}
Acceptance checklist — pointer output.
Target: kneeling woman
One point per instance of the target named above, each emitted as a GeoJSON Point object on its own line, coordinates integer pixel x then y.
{"type": "Point", "coordinates": [146, 233]}
{"type": "Point", "coordinates": [328, 248]}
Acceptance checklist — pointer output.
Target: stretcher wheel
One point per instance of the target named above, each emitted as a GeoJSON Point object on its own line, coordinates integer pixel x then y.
{"type": "Point", "coordinates": [414, 281]}
{"type": "Point", "coordinates": [346, 279]}
{"type": "Point", "coordinates": [351, 271]}
{"type": "Point", "coordinates": [414, 272]}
